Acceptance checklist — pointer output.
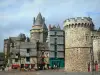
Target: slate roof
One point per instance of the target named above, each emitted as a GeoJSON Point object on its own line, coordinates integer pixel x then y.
{"type": "Point", "coordinates": [13, 38]}
{"type": "Point", "coordinates": [43, 46]}
{"type": "Point", "coordinates": [39, 19]}
{"type": "Point", "coordinates": [24, 45]}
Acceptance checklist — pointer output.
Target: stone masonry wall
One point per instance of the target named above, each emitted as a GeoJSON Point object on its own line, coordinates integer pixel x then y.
{"type": "Point", "coordinates": [77, 59]}
{"type": "Point", "coordinates": [77, 44]}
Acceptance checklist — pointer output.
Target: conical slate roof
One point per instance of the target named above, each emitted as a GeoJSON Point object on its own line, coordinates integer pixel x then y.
{"type": "Point", "coordinates": [58, 27]}
{"type": "Point", "coordinates": [21, 36]}
{"type": "Point", "coordinates": [39, 19]}
{"type": "Point", "coordinates": [44, 26]}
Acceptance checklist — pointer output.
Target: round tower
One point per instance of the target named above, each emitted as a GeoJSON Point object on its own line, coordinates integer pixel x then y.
{"type": "Point", "coordinates": [78, 44]}
{"type": "Point", "coordinates": [39, 29]}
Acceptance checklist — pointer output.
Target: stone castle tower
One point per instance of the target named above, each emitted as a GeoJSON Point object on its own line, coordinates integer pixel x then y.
{"type": "Point", "coordinates": [78, 43]}
{"type": "Point", "coordinates": [39, 29]}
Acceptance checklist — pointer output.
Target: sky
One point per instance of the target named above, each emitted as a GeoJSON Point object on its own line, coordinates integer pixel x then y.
{"type": "Point", "coordinates": [16, 16]}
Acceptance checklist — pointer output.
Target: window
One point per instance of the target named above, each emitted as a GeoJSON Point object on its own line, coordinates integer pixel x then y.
{"type": "Point", "coordinates": [42, 53]}
{"type": "Point", "coordinates": [55, 40]}
{"type": "Point", "coordinates": [87, 37]}
{"type": "Point", "coordinates": [12, 44]}
{"type": "Point", "coordinates": [16, 60]}
{"type": "Point", "coordinates": [55, 54]}
{"type": "Point", "coordinates": [28, 50]}
{"type": "Point", "coordinates": [55, 33]}
{"type": "Point", "coordinates": [27, 59]}
{"type": "Point", "coordinates": [16, 54]}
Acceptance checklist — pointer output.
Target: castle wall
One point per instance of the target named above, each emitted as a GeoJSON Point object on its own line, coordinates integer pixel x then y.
{"type": "Point", "coordinates": [38, 34]}
{"type": "Point", "coordinates": [77, 44]}
{"type": "Point", "coordinates": [78, 37]}
{"type": "Point", "coordinates": [95, 34]}
{"type": "Point", "coordinates": [35, 36]}
{"type": "Point", "coordinates": [96, 49]}
{"type": "Point", "coordinates": [76, 59]}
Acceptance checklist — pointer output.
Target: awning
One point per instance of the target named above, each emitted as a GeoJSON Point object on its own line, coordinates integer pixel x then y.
{"type": "Point", "coordinates": [15, 65]}
{"type": "Point", "coordinates": [27, 65]}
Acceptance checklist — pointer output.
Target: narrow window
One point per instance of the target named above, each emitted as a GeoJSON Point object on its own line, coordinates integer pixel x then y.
{"type": "Point", "coordinates": [55, 33]}
{"type": "Point", "coordinates": [16, 60]}
{"type": "Point", "coordinates": [28, 50]}
{"type": "Point", "coordinates": [28, 59]}
{"type": "Point", "coordinates": [87, 37]}
{"type": "Point", "coordinates": [12, 44]}
{"type": "Point", "coordinates": [16, 54]}
{"type": "Point", "coordinates": [55, 40]}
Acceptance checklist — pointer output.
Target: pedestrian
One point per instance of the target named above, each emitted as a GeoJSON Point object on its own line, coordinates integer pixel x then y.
{"type": "Point", "coordinates": [89, 67]}
{"type": "Point", "coordinates": [96, 66]}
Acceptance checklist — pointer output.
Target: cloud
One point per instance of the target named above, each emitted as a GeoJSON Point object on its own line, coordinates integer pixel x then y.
{"type": "Point", "coordinates": [16, 15]}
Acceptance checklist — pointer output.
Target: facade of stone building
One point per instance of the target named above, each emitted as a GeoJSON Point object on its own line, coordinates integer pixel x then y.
{"type": "Point", "coordinates": [38, 34]}
{"type": "Point", "coordinates": [1, 60]}
{"type": "Point", "coordinates": [79, 51]}
{"type": "Point", "coordinates": [78, 45]}
{"type": "Point", "coordinates": [56, 46]}
{"type": "Point", "coordinates": [22, 52]}
{"type": "Point", "coordinates": [95, 35]}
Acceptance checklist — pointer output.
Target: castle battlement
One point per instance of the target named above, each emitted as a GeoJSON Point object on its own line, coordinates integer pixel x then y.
{"type": "Point", "coordinates": [78, 19]}
{"type": "Point", "coordinates": [79, 22]}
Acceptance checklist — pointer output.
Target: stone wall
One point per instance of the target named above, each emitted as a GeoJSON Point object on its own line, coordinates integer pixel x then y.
{"type": "Point", "coordinates": [77, 44]}
{"type": "Point", "coordinates": [35, 36]}
{"type": "Point", "coordinates": [96, 50]}
{"type": "Point", "coordinates": [76, 59]}
{"type": "Point", "coordinates": [77, 37]}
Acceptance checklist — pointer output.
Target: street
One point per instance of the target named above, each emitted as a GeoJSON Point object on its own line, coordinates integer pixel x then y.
{"type": "Point", "coordinates": [47, 72]}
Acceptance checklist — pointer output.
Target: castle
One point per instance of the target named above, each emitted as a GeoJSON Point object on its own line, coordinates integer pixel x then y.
{"type": "Point", "coordinates": [78, 45]}
{"type": "Point", "coordinates": [28, 52]}
{"type": "Point", "coordinates": [34, 52]}
{"type": "Point", "coordinates": [82, 44]}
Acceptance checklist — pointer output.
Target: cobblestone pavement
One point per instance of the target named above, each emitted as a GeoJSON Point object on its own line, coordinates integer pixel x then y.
{"type": "Point", "coordinates": [46, 72]}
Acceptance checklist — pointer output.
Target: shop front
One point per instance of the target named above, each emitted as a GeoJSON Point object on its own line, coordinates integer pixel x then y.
{"type": "Point", "coordinates": [56, 63]}
{"type": "Point", "coordinates": [15, 66]}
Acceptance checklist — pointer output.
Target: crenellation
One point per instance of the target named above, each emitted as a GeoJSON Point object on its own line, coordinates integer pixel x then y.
{"type": "Point", "coordinates": [78, 19]}
{"type": "Point", "coordinates": [79, 22]}
{"type": "Point", "coordinates": [86, 25]}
